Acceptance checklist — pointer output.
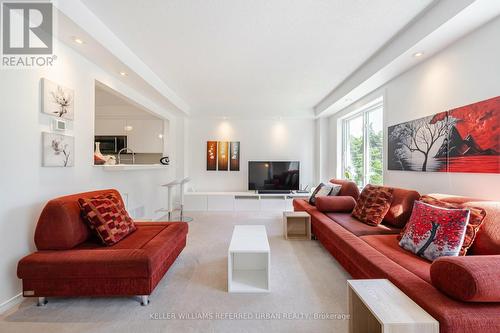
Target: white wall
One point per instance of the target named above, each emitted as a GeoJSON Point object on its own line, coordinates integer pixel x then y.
{"type": "Point", "coordinates": [25, 186]}
{"type": "Point", "coordinates": [261, 139]}
{"type": "Point", "coordinates": [464, 73]}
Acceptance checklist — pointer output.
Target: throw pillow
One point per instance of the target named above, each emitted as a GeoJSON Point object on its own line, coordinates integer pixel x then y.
{"type": "Point", "coordinates": [476, 219]}
{"type": "Point", "coordinates": [335, 189]}
{"type": "Point", "coordinates": [321, 190]}
{"type": "Point", "coordinates": [434, 232]}
{"type": "Point", "coordinates": [372, 205]}
{"type": "Point", "coordinates": [107, 218]}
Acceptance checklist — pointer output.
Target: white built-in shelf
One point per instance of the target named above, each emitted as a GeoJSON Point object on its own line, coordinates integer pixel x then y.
{"type": "Point", "coordinates": [239, 201]}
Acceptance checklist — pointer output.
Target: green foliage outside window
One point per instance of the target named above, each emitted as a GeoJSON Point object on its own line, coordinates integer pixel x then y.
{"type": "Point", "coordinates": [355, 171]}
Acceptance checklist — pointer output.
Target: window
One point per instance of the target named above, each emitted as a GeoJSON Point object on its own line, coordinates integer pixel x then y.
{"type": "Point", "coordinates": [362, 142]}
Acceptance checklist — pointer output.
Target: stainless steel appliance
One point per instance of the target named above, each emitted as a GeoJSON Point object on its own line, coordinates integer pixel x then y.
{"type": "Point", "coordinates": [111, 144]}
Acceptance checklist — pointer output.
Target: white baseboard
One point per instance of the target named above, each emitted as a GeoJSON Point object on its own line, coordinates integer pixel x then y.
{"type": "Point", "coordinates": [11, 303]}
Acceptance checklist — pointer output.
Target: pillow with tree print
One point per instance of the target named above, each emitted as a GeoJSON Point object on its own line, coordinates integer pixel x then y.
{"type": "Point", "coordinates": [434, 232]}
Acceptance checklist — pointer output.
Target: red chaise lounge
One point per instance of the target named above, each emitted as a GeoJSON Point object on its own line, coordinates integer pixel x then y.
{"type": "Point", "coordinates": [368, 252]}
{"type": "Point", "coordinates": [70, 263]}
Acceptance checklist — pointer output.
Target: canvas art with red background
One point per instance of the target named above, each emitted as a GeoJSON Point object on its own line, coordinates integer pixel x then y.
{"type": "Point", "coordinates": [465, 139]}
{"type": "Point", "coordinates": [474, 137]}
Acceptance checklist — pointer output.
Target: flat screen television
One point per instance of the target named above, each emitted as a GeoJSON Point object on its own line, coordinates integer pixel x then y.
{"type": "Point", "coordinates": [277, 176]}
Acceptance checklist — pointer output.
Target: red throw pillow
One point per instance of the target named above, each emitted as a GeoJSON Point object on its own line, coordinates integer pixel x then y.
{"type": "Point", "coordinates": [372, 205]}
{"type": "Point", "coordinates": [434, 232]}
{"type": "Point", "coordinates": [476, 218]}
{"type": "Point", "coordinates": [107, 217]}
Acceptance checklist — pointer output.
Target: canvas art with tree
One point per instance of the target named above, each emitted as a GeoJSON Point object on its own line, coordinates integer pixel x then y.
{"type": "Point", "coordinates": [464, 139]}
{"type": "Point", "coordinates": [418, 145]}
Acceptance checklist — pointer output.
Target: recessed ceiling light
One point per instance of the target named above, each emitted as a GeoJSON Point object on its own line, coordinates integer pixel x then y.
{"type": "Point", "coordinates": [78, 40]}
{"type": "Point", "coordinates": [123, 73]}
{"type": "Point", "coordinates": [418, 54]}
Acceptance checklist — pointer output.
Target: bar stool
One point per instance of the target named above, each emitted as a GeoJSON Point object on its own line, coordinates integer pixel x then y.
{"type": "Point", "coordinates": [170, 206]}
{"type": "Point", "coordinates": [183, 183]}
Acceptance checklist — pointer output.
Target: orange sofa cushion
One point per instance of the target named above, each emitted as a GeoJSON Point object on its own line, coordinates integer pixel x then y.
{"type": "Point", "coordinates": [468, 279]}
{"type": "Point", "coordinates": [335, 203]}
{"type": "Point", "coordinates": [359, 228]}
{"type": "Point", "coordinates": [137, 256]}
{"type": "Point", "coordinates": [60, 226]}
{"type": "Point", "coordinates": [349, 188]}
{"type": "Point", "coordinates": [388, 245]}
{"type": "Point", "coordinates": [401, 206]}
{"type": "Point", "coordinates": [487, 240]}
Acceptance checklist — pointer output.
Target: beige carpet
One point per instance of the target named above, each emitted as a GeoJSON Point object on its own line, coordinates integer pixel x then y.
{"type": "Point", "coordinates": [305, 280]}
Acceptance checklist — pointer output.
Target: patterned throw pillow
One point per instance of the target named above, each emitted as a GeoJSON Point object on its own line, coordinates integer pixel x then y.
{"type": "Point", "coordinates": [110, 196]}
{"type": "Point", "coordinates": [476, 218]}
{"type": "Point", "coordinates": [434, 232]}
{"type": "Point", "coordinates": [321, 190]}
{"type": "Point", "coordinates": [335, 189]}
{"type": "Point", "coordinates": [107, 217]}
{"type": "Point", "coordinates": [372, 205]}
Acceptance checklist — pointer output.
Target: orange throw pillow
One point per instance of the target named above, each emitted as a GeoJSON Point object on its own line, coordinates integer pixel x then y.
{"type": "Point", "coordinates": [107, 218]}
{"type": "Point", "coordinates": [372, 205]}
{"type": "Point", "coordinates": [476, 218]}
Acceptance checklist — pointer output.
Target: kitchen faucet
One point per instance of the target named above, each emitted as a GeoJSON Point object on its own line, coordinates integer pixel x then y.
{"type": "Point", "coordinates": [126, 149]}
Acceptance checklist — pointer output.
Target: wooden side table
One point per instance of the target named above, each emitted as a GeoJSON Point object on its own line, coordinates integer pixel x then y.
{"type": "Point", "coordinates": [379, 306]}
{"type": "Point", "coordinates": [296, 225]}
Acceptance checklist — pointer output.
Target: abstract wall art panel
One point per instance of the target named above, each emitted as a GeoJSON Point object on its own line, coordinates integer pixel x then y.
{"type": "Point", "coordinates": [211, 155]}
{"type": "Point", "coordinates": [223, 156]}
{"type": "Point", "coordinates": [465, 139]}
{"type": "Point", "coordinates": [417, 145]}
{"type": "Point", "coordinates": [234, 156]}
{"type": "Point", "coordinates": [57, 100]}
{"type": "Point", "coordinates": [58, 150]}
{"type": "Point", "coordinates": [474, 137]}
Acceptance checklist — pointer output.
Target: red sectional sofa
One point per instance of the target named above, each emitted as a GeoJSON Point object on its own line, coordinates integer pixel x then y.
{"type": "Point", "coordinates": [368, 252]}
{"type": "Point", "coordinates": [70, 262]}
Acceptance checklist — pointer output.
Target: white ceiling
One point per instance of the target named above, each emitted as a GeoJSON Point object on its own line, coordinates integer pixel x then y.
{"type": "Point", "coordinates": [105, 98]}
{"type": "Point", "coordinates": [238, 57]}
{"type": "Point", "coordinates": [111, 104]}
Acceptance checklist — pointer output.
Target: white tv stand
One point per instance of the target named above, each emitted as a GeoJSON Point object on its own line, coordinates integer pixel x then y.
{"type": "Point", "coordinates": [240, 201]}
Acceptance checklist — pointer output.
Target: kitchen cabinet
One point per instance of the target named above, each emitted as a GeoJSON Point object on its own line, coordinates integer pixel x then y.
{"type": "Point", "coordinates": [143, 136]}
{"type": "Point", "coordinates": [110, 127]}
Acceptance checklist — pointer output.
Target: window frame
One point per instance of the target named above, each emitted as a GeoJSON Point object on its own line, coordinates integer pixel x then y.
{"type": "Point", "coordinates": [363, 112]}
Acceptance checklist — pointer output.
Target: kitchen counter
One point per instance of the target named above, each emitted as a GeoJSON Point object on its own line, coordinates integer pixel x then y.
{"type": "Point", "coordinates": [132, 167]}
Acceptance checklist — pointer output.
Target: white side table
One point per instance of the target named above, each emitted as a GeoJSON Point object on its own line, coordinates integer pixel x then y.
{"type": "Point", "coordinates": [379, 306]}
{"type": "Point", "coordinates": [249, 260]}
{"type": "Point", "coordinates": [296, 225]}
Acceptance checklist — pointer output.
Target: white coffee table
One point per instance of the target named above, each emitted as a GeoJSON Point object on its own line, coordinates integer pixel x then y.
{"type": "Point", "coordinates": [379, 306]}
{"type": "Point", "coordinates": [249, 260]}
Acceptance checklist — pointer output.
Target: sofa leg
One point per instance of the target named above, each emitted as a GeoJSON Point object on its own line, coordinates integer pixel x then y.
{"type": "Point", "coordinates": [41, 301]}
{"type": "Point", "coordinates": [144, 300]}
